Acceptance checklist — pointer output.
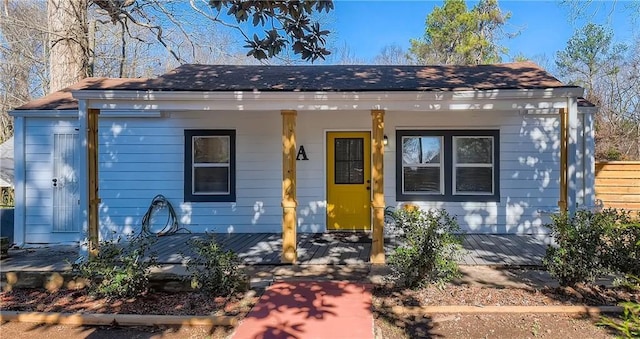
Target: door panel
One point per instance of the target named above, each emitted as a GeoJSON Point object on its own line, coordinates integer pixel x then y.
{"type": "Point", "coordinates": [65, 183]}
{"type": "Point", "coordinates": [349, 181]}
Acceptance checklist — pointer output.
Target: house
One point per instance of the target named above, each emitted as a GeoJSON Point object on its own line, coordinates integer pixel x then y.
{"type": "Point", "coordinates": [291, 149]}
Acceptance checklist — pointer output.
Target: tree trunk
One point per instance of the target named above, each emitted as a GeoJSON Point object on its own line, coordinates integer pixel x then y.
{"type": "Point", "coordinates": [68, 42]}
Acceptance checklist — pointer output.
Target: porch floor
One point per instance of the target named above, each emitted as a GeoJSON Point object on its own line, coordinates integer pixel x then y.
{"type": "Point", "coordinates": [313, 249]}
{"type": "Point", "coordinates": [354, 248]}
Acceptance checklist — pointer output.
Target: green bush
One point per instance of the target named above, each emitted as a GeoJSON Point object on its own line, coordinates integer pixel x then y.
{"type": "Point", "coordinates": [119, 270]}
{"type": "Point", "coordinates": [592, 244]}
{"type": "Point", "coordinates": [429, 247]}
{"type": "Point", "coordinates": [212, 269]}
{"type": "Point", "coordinates": [622, 242]}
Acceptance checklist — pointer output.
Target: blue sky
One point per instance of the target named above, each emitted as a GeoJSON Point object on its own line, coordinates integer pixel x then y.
{"type": "Point", "coordinates": [544, 26]}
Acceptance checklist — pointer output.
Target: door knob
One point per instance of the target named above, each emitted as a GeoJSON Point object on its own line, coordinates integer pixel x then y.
{"type": "Point", "coordinates": [368, 188]}
{"type": "Point", "coordinates": [55, 182]}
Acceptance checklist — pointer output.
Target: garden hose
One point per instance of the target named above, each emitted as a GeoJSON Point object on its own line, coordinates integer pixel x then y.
{"type": "Point", "coordinates": [159, 202]}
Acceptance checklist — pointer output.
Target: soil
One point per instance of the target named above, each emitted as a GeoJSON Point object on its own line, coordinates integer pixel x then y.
{"type": "Point", "coordinates": [388, 324]}
{"type": "Point", "coordinates": [392, 325]}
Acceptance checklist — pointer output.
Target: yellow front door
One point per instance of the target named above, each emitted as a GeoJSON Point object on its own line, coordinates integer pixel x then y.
{"type": "Point", "coordinates": [349, 181]}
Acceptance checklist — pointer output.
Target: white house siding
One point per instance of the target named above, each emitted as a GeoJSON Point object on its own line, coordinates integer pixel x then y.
{"type": "Point", "coordinates": [142, 157]}
{"type": "Point", "coordinates": [529, 168]}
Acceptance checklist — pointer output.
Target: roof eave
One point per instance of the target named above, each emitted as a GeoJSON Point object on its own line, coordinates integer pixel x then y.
{"type": "Point", "coordinates": [489, 94]}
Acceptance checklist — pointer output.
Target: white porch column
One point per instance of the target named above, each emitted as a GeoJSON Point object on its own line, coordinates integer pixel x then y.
{"type": "Point", "coordinates": [83, 182]}
{"type": "Point", "coordinates": [572, 147]}
{"type": "Point", "coordinates": [19, 183]}
{"type": "Point", "coordinates": [589, 182]}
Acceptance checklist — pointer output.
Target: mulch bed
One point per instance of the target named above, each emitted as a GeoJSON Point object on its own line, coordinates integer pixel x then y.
{"type": "Point", "coordinates": [160, 303]}
{"type": "Point", "coordinates": [593, 295]}
{"type": "Point", "coordinates": [484, 296]}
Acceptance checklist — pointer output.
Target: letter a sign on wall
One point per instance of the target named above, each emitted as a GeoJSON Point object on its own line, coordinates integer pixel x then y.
{"type": "Point", "coordinates": [302, 154]}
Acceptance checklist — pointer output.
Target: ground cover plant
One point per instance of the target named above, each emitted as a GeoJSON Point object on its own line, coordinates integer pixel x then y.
{"type": "Point", "coordinates": [214, 270]}
{"type": "Point", "coordinates": [120, 270]}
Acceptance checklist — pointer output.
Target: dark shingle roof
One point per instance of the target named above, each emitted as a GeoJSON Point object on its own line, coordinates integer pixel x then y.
{"type": "Point", "coordinates": [342, 78]}
{"type": "Point", "coordinates": [333, 78]}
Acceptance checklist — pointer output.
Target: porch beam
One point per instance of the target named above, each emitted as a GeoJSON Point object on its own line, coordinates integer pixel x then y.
{"type": "Point", "coordinates": [289, 202]}
{"type": "Point", "coordinates": [377, 186]}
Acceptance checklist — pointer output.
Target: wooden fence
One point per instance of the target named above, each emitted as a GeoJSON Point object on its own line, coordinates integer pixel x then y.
{"type": "Point", "coordinates": [618, 184]}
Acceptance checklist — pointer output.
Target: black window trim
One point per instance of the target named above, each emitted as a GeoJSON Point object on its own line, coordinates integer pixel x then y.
{"type": "Point", "coordinates": [447, 164]}
{"type": "Point", "coordinates": [188, 170]}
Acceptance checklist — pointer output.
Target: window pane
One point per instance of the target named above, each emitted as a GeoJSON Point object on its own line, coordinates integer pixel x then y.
{"type": "Point", "coordinates": [211, 180]}
{"type": "Point", "coordinates": [349, 149]}
{"type": "Point", "coordinates": [421, 179]}
{"type": "Point", "coordinates": [421, 150]}
{"type": "Point", "coordinates": [474, 150]}
{"type": "Point", "coordinates": [349, 161]}
{"type": "Point", "coordinates": [474, 179]}
{"type": "Point", "coordinates": [211, 149]}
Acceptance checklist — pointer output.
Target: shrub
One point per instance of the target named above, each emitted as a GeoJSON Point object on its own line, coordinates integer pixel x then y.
{"type": "Point", "coordinates": [592, 244]}
{"type": "Point", "coordinates": [119, 271]}
{"type": "Point", "coordinates": [428, 247]}
{"type": "Point", "coordinates": [212, 269]}
{"type": "Point", "coordinates": [622, 242]}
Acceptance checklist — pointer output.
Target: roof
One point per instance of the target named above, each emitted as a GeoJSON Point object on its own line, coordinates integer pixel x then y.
{"type": "Point", "coordinates": [63, 99]}
{"type": "Point", "coordinates": [332, 78]}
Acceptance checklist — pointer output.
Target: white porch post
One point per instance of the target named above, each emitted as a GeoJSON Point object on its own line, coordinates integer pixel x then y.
{"type": "Point", "coordinates": [83, 182]}
{"type": "Point", "coordinates": [19, 183]}
{"type": "Point", "coordinates": [572, 147]}
{"type": "Point", "coordinates": [589, 195]}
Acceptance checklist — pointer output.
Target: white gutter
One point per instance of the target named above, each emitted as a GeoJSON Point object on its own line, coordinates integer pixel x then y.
{"type": "Point", "coordinates": [495, 94]}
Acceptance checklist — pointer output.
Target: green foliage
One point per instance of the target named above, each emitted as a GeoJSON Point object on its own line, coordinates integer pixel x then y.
{"type": "Point", "coordinates": [592, 244]}
{"type": "Point", "coordinates": [429, 247]}
{"type": "Point", "coordinates": [590, 51]}
{"type": "Point", "coordinates": [629, 325]}
{"type": "Point", "coordinates": [7, 197]}
{"type": "Point", "coordinates": [612, 154]}
{"type": "Point", "coordinates": [288, 22]}
{"type": "Point", "coordinates": [610, 75]}
{"type": "Point", "coordinates": [212, 269]}
{"type": "Point", "coordinates": [622, 239]}
{"type": "Point", "coordinates": [119, 270]}
{"type": "Point", "coordinates": [456, 35]}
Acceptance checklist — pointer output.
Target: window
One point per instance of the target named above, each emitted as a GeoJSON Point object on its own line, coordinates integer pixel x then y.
{"type": "Point", "coordinates": [349, 160]}
{"type": "Point", "coordinates": [453, 165]}
{"type": "Point", "coordinates": [209, 165]}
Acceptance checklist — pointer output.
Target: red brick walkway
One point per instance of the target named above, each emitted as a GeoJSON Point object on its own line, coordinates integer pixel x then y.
{"type": "Point", "coordinates": [299, 309]}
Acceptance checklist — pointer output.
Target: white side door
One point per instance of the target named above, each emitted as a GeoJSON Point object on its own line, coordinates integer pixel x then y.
{"type": "Point", "coordinates": [65, 183]}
